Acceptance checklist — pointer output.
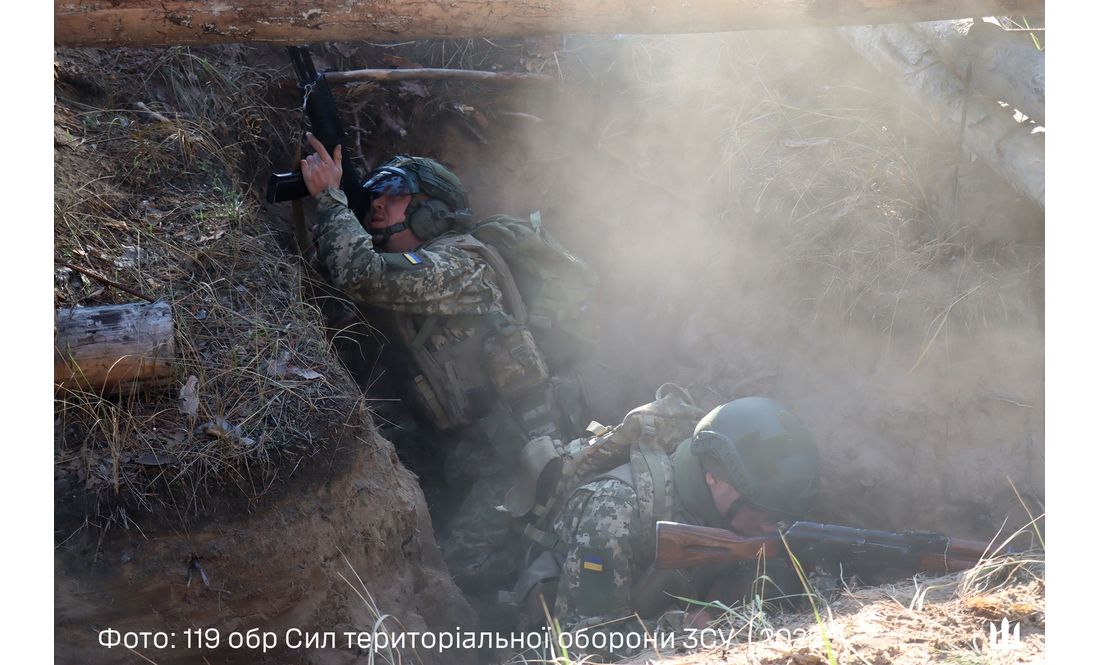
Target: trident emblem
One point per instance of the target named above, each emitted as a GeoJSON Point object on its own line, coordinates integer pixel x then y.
{"type": "Point", "coordinates": [1006, 640]}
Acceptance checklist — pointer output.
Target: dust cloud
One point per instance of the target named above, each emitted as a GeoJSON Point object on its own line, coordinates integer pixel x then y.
{"type": "Point", "coordinates": [767, 214]}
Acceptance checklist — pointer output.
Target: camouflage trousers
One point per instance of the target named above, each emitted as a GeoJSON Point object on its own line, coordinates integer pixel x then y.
{"type": "Point", "coordinates": [481, 545]}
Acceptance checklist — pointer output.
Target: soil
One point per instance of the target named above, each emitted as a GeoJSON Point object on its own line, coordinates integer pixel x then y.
{"type": "Point", "coordinates": [768, 216]}
{"type": "Point", "coordinates": [349, 534]}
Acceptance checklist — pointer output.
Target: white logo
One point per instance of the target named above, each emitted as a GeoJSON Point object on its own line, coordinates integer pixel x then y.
{"type": "Point", "coordinates": [1007, 640]}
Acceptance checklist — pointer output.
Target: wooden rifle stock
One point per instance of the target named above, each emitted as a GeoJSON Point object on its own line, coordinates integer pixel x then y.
{"type": "Point", "coordinates": [685, 546]}
{"type": "Point", "coordinates": [960, 555]}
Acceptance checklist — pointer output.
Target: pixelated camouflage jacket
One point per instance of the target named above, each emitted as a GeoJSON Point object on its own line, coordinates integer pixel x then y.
{"type": "Point", "coordinates": [440, 280]}
{"type": "Point", "coordinates": [600, 521]}
{"type": "Point", "coordinates": [604, 562]}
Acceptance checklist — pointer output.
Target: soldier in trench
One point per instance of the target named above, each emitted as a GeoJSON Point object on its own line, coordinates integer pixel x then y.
{"type": "Point", "coordinates": [441, 298]}
{"type": "Point", "coordinates": [748, 465]}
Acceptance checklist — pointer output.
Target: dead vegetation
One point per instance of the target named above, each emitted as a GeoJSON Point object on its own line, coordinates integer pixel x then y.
{"type": "Point", "coordinates": [925, 619]}
{"type": "Point", "coordinates": [160, 160]}
{"type": "Point", "coordinates": [152, 153]}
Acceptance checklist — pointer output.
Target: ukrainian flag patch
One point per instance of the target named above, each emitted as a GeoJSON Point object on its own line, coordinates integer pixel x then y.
{"type": "Point", "coordinates": [413, 258]}
{"type": "Point", "coordinates": [595, 581]}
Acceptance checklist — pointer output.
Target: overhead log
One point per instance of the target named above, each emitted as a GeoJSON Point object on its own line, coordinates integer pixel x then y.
{"type": "Point", "coordinates": [1014, 150]}
{"type": "Point", "coordinates": [179, 22]}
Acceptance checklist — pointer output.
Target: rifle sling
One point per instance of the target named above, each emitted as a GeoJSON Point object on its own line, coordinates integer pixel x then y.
{"type": "Point", "coordinates": [296, 205]}
{"type": "Point", "coordinates": [300, 227]}
{"type": "Point", "coordinates": [427, 329]}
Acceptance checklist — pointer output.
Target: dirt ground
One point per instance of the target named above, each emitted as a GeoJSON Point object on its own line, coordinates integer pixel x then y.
{"type": "Point", "coordinates": [768, 216]}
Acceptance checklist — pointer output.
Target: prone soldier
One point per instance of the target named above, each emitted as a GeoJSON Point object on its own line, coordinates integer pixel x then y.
{"type": "Point", "coordinates": [748, 465]}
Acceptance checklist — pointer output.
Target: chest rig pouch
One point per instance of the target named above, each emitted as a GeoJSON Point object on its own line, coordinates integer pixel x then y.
{"type": "Point", "coordinates": [496, 377]}
{"type": "Point", "coordinates": [635, 453]}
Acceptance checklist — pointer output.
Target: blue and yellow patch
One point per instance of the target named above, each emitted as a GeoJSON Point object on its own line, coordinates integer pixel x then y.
{"type": "Point", "coordinates": [413, 258]}
{"type": "Point", "coordinates": [593, 563]}
{"type": "Point", "coordinates": [595, 581]}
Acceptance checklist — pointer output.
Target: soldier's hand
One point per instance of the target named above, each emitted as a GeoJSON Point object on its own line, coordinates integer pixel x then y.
{"type": "Point", "coordinates": [320, 170]}
{"type": "Point", "coordinates": [700, 620]}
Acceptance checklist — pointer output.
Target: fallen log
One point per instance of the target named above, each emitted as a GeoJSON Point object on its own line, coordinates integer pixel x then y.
{"type": "Point", "coordinates": [1014, 150]}
{"type": "Point", "coordinates": [170, 22]}
{"type": "Point", "coordinates": [1005, 67]}
{"type": "Point", "coordinates": [113, 349]}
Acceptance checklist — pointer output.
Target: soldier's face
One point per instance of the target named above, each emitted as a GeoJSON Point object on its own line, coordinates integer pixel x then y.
{"type": "Point", "coordinates": [747, 521]}
{"type": "Point", "coordinates": [388, 209]}
{"type": "Point", "coordinates": [751, 521]}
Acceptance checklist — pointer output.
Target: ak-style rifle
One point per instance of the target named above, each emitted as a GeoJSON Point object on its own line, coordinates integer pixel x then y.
{"type": "Point", "coordinates": [325, 124]}
{"type": "Point", "coordinates": [836, 548]}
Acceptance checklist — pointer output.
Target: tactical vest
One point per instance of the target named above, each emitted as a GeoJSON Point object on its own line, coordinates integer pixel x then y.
{"type": "Point", "coordinates": [497, 377]}
{"type": "Point", "coordinates": [636, 452]}
{"type": "Point", "coordinates": [558, 288]}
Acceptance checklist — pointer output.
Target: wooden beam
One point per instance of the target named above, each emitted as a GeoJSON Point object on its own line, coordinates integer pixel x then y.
{"type": "Point", "coordinates": [108, 23]}
{"type": "Point", "coordinates": [1005, 66]}
{"type": "Point", "coordinates": [114, 348]}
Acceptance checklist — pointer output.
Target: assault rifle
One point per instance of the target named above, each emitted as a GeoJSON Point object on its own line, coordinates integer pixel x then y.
{"type": "Point", "coordinates": [842, 548]}
{"type": "Point", "coordinates": [326, 126]}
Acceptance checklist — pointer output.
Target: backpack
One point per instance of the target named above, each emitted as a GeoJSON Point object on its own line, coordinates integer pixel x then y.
{"type": "Point", "coordinates": [558, 289]}
{"type": "Point", "coordinates": [636, 452]}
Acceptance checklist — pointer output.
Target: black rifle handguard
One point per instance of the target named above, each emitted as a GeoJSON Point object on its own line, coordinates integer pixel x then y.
{"type": "Point", "coordinates": [324, 120]}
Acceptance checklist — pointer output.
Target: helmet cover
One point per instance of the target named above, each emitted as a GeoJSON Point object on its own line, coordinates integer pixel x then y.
{"type": "Point", "coordinates": [765, 452]}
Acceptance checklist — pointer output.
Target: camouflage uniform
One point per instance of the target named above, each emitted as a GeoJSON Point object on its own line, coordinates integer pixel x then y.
{"type": "Point", "coordinates": [441, 280]}
{"type": "Point", "coordinates": [603, 528]}
{"type": "Point", "coordinates": [480, 545]}
{"type": "Point", "coordinates": [606, 567]}
{"type": "Point", "coordinates": [447, 282]}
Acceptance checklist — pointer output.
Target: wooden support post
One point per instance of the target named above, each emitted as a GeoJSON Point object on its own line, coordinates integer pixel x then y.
{"type": "Point", "coordinates": [1013, 150]}
{"type": "Point", "coordinates": [114, 349]}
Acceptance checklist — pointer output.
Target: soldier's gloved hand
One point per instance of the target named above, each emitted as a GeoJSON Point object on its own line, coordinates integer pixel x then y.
{"type": "Point", "coordinates": [321, 170]}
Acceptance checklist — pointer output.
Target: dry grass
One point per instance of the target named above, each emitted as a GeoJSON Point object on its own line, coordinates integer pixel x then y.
{"type": "Point", "coordinates": [818, 159]}
{"type": "Point", "coordinates": [922, 620]}
{"type": "Point", "coordinates": [156, 153]}
{"type": "Point", "coordinates": [163, 206]}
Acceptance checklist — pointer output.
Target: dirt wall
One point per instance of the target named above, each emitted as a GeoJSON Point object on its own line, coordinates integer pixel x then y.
{"type": "Point", "coordinates": [343, 543]}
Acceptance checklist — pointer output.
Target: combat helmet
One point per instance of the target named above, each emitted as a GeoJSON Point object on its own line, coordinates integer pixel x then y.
{"type": "Point", "coordinates": [765, 452]}
{"type": "Point", "coordinates": [447, 207]}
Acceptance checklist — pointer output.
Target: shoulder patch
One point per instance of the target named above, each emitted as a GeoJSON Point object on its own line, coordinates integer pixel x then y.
{"type": "Point", "coordinates": [596, 595]}
{"type": "Point", "coordinates": [405, 261]}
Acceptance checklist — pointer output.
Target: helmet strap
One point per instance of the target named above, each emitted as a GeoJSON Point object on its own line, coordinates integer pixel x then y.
{"type": "Point", "coordinates": [736, 506]}
{"type": "Point", "coordinates": [388, 231]}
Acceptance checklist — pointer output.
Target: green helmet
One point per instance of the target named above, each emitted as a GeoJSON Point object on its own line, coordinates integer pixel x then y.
{"type": "Point", "coordinates": [765, 452]}
{"type": "Point", "coordinates": [446, 208]}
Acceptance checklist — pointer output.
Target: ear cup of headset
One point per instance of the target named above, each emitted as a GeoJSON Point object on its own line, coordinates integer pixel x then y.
{"type": "Point", "coordinates": [433, 218]}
